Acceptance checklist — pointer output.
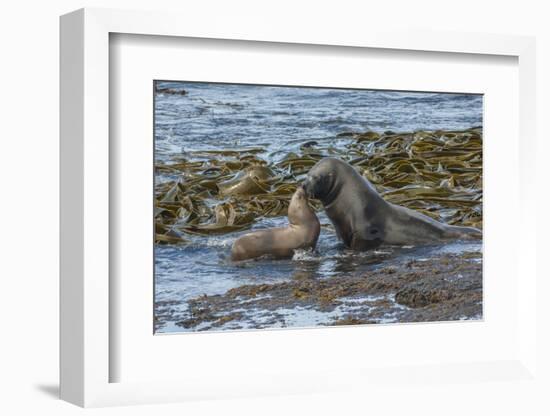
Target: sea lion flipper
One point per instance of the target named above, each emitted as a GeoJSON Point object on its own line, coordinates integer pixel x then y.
{"type": "Point", "coordinates": [464, 233]}
{"type": "Point", "coordinates": [367, 238]}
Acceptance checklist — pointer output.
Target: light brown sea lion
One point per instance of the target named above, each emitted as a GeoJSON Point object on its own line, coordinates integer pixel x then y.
{"type": "Point", "coordinates": [301, 233]}
{"type": "Point", "coordinates": [363, 219]}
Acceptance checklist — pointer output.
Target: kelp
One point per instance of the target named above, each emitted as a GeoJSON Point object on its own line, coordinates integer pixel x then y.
{"type": "Point", "coordinates": [251, 181]}
{"type": "Point", "coordinates": [438, 173]}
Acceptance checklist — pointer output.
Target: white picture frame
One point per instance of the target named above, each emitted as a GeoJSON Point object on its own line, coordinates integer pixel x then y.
{"type": "Point", "coordinates": [86, 356]}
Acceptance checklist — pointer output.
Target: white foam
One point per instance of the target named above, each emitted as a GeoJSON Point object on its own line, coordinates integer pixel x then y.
{"type": "Point", "coordinates": [220, 242]}
{"type": "Point", "coordinates": [304, 255]}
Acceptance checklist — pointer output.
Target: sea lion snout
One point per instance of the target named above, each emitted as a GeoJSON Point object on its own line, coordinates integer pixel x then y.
{"type": "Point", "coordinates": [321, 178]}
{"type": "Point", "coordinates": [310, 187]}
{"type": "Point", "coordinates": [301, 192]}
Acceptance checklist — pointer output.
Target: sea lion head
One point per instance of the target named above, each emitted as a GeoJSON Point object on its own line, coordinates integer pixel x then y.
{"type": "Point", "coordinates": [321, 181]}
{"type": "Point", "coordinates": [299, 211]}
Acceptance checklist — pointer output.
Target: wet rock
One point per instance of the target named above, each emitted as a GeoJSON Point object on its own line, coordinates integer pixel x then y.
{"type": "Point", "coordinates": [349, 320]}
{"type": "Point", "coordinates": [170, 91]}
{"type": "Point", "coordinates": [368, 136]}
{"type": "Point", "coordinates": [415, 298]}
{"type": "Point", "coordinates": [346, 134]}
{"type": "Point", "coordinates": [227, 318]}
{"type": "Point", "coordinates": [198, 315]}
{"type": "Point", "coordinates": [309, 144]}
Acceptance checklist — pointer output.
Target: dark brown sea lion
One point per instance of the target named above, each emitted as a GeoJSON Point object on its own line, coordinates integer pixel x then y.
{"type": "Point", "coordinates": [301, 233]}
{"type": "Point", "coordinates": [363, 219]}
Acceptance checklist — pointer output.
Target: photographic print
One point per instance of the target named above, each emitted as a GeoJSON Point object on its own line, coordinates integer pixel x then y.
{"type": "Point", "coordinates": [298, 207]}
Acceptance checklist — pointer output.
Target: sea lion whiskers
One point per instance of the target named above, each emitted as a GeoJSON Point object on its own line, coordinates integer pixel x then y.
{"type": "Point", "coordinates": [322, 188]}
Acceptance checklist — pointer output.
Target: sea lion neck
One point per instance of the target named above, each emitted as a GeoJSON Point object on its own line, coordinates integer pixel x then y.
{"type": "Point", "coordinates": [331, 195]}
{"type": "Point", "coordinates": [300, 215]}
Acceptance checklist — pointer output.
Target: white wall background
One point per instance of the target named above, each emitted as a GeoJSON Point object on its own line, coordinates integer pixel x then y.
{"type": "Point", "coordinates": [29, 80]}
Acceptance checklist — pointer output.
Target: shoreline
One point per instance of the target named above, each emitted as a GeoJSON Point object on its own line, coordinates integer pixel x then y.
{"type": "Point", "coordinates": [447, 287]}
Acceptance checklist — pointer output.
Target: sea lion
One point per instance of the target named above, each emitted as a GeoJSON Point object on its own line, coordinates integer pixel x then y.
{"type": "Point", "coordinates": [301, 233]}
{"type": "Point", "coordinates": [363, 219]}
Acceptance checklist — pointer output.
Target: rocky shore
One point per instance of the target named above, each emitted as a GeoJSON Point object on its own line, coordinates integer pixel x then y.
{"type": "Point", "coordinates": [447, 287]}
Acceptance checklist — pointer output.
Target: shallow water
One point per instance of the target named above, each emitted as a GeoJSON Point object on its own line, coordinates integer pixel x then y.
{"type": "Point", "coordinates": [218, 116]}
